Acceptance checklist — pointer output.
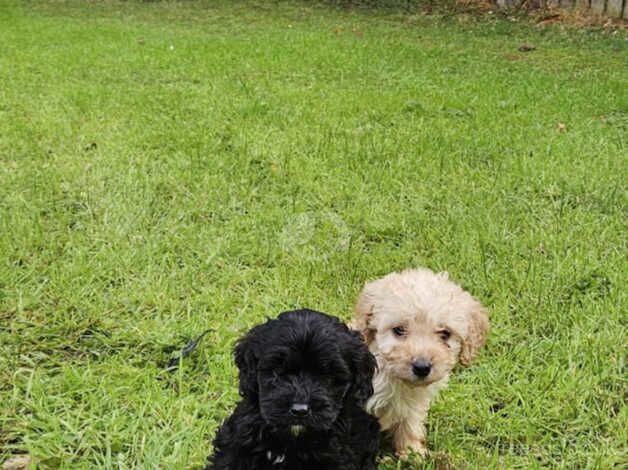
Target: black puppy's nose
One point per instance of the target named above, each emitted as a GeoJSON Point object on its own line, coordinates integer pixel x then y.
{"type": "Point", "coordinates": [299, 409]}
{"type": "Point", "coordinates": [421, 368]}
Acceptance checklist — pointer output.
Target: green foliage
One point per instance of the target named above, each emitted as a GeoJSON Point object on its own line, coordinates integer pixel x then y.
{"type": "Point", "coordinates": [171, 167]}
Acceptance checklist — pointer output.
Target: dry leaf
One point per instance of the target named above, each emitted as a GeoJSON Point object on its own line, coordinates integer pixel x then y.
{"type": "Point", "coordinates": [18, 462]}
{"type": "Point", "coordinates": [550, 19]}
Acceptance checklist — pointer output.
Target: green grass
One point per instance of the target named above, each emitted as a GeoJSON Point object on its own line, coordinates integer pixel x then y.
{"type": "Point", "coordinates": [171, 167]}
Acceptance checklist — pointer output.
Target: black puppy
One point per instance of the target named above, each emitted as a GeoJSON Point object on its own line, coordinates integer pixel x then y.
{"type": "Point", "coordinates": [304, 380]}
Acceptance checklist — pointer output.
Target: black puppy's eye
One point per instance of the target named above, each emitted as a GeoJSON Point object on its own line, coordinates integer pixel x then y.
{"type": "Point", "coordinates": [399, 331]}
{"type": "Point", "coordinates": [444, 334]}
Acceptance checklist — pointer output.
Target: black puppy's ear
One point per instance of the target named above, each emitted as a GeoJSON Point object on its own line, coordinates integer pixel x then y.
{"type": "Point", "coordinates": [246, 357]}
{"type": "Point", "coordinates": [363, 366]}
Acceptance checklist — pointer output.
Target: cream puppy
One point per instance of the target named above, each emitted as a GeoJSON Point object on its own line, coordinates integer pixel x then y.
{"type": "Point", "coordinates": [418, 325]}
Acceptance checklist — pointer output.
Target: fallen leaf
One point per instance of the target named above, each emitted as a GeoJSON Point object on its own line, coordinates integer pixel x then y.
{"type": "Point", "coordinates": [550, 19]}
{"type": "Point", "coordinates": [19, 462]}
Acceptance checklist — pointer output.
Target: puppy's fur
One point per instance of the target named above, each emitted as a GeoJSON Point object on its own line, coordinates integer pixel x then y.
{"type": "Point", "coordinates": [418, 324]}
{"type": "Point", "coordinates": [303, 359]}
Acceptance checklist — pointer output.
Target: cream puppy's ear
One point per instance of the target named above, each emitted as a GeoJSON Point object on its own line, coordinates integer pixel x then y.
{"type": "Point", "coordinates": [364, 313]}
{"type": "Point", "coordinates": [475, 338]}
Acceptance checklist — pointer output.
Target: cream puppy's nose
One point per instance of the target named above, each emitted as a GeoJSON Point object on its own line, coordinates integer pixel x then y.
{"type": "Point", "coordinates": [421, 368]}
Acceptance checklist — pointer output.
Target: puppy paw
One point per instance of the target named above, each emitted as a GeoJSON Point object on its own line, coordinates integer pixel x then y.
{"type": "Point", "coordinates": [415, 449]}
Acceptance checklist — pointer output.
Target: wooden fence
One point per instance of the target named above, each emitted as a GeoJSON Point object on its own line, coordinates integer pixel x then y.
{"type": "Point", "coordinates": [611, 8]}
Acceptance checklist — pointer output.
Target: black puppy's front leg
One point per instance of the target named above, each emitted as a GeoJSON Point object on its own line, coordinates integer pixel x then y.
{"type": "Point", "coordinates": [235, 457]}
{"type": "Point", "coordinates": [221, 461]}
{"type": "Point", "coordinates": [231, 459]}
{"type": "Point", "coordinates": [228, 454]}
{"type": "Point", "coordinates": [366, 432]}
{"type": "Point", "coordinates": [235, 442]}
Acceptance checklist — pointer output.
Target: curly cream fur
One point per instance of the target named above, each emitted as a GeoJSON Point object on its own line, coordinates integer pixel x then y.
{"type": "Point", "coordinates": [442, 324]}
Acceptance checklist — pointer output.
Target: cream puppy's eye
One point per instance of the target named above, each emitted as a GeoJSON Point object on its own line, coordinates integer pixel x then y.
{"type": "Point", "coordinates": [399, 331]}
{"type": "Point", "coordinates": [444, 334]}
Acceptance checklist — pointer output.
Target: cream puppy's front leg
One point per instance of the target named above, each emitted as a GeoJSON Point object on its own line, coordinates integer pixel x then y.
{"type": "Point", "coordinates": [402, 412]}
{"type": "Point", "coordinates": [409, 435]}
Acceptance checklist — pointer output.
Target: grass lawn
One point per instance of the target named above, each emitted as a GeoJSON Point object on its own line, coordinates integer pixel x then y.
{"type": "Point", "coordinates": [171, 167]}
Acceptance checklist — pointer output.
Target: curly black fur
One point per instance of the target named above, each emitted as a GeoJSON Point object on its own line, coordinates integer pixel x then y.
{"type": "Point", "coordinates": [302, 357]}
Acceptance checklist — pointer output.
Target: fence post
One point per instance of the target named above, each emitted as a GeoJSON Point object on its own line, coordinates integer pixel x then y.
{"type": "Point", "coordinates": [597, 6]}
{"type": "Point", "coordinates": [614, 8]}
